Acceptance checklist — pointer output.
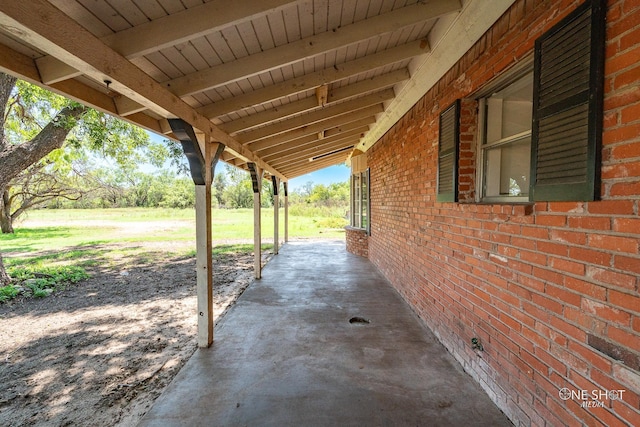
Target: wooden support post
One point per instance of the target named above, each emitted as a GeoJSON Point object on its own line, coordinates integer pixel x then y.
{"type": "Point", "coordinates": [286, 211]}
{"type": "Point", "coordinates": [276, 213]}
{"type": "Point", "coordinates": [256, 179]}
{"type": "Point", "coordinates": [202, 166]}
{"type": "Point", "coordinates": [204, 264]}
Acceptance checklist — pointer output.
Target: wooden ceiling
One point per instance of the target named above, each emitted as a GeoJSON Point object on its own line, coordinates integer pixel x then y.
{"type": "Point", "coordinates": [293, 86]}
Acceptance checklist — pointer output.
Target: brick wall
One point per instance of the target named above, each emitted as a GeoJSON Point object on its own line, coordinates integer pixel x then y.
{"type": "Point", "coordinates": [551, 290]}
{"type": "Point", "coordinates": [357, 241]}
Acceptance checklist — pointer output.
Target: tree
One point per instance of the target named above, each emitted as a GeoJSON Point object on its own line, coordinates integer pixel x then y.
{"type": "Point", "coordinates": [36, 122]}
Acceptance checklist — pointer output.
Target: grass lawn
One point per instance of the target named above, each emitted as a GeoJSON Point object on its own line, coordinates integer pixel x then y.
{"type": "Point", "coordinates": [45, 230]}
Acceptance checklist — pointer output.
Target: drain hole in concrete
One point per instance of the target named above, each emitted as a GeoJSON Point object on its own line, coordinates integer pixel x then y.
{"type": "Point", "coordinates": [357, 319]}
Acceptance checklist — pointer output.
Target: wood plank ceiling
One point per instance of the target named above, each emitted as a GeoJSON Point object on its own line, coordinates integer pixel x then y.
{"type": "Point", "coordinates": [291, 85]}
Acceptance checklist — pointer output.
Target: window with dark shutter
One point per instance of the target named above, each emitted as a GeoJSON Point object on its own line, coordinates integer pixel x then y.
{"type": "Point", "coordinates": [448, 154]}
{"type": "Point", "coordinates": [567, 107]}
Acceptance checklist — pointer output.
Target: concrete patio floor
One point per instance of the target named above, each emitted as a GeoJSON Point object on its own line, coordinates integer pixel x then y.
{"type": "Point", "coordinates": [287, 355]}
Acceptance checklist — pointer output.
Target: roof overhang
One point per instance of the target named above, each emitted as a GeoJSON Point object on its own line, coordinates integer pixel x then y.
{"type": "Point", "coordinates": [292, 86]}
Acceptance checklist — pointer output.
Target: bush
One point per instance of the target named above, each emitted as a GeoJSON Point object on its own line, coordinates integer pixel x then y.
{"type": "Point", "coordinates": [41, 281]}
{"type": "Point", "coordinates": [8, 292]}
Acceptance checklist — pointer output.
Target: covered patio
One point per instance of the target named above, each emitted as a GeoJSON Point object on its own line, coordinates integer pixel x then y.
{"type": "Point", "coordinates": [296, 350]}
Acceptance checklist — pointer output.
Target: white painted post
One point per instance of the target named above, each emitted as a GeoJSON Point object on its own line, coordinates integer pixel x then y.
{"type": "Point", "coordinates": [276, 212]}
{"type": "Point", "coordinates": [286, 211]}
{"type": "Point", "coordinates": [257, 242]}
{"type": "Point", "coordinates": [204, 264]}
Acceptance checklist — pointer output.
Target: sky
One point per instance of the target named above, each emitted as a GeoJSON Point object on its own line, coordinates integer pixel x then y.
{"type": "Point", "coordinates": [326, 176]}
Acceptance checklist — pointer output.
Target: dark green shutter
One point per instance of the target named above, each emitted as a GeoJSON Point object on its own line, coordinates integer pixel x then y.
{"type": "Point", "coordinates": [448, 143]}
{"type": "Point", "coordinates": [567, 107]}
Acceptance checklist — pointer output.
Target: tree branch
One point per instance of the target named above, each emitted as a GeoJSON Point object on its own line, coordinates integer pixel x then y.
{"type": "Point", "coordinates": [16, 158]}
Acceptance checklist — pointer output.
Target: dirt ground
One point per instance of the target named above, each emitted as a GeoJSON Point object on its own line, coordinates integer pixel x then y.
{"type": "Point", "coordinates": [100, 352]}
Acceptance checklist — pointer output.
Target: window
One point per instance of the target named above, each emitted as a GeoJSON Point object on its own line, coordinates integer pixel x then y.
{"type": "Point", "coordinates": [360, 200]}
{"type": "Point", "coordinates": [541, 131]}
{"type": "Point", "coordinates": [506, 141]}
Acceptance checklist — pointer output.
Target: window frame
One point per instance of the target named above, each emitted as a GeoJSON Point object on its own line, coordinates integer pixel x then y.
{"type": "Point", "coordinates": [361, 199]}
{"type": "Point", "coordinates": [519, 71]}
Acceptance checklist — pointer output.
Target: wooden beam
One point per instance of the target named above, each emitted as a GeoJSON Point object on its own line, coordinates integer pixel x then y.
{"type": "Point", "coordinates": [33, 22]}
{"type": "Point", "coordinates": [168, 31]}
{"type": "Point", "coordinates": [308, 47]}
{"type": "Point", "coordinates": [322, 95]}
{"type": "Point", "coordinates": [306, 168]}
{"type": "Point", "coordinates": [320, 154]}
{"type": "Point", "coordinates": [24, 67]}
{"type": "Point", "coordinates": [362, 125]}
{"type": "Point", "coordinates": [52, 70]}
{"type": "Point", "coordinates": [275, 113]}
{"type": "Point", "coordinates": [126, 106]}
{"type": "Point", "coordinates": [312, 150]}
{"type": "Point", "coordinates": [316, 116]}
{"type": "Point", "coordinates": [316, 150]}
{"type": "Point", "coordinates": [317, 127]}
{"type": "Point", "coordinates": [338, 94]}
{"type": "Point", "coordinates": [312, 80]}
{"type": "Point", "coordinates": [283, 150]}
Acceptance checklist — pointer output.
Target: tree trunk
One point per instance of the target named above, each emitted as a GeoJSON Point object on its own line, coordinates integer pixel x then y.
{"type": "Point", "coordinates": [4, 277]}
{"type": "Point", "coordinates": [15, 158]}
{"type": "Point", "coordinates": [6, 221]}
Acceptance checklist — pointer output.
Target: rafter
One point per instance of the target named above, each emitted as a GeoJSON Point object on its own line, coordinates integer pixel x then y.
{"type": "Point", "coordinates": [168, 31]}
{"type": "Point", "coordinates": [308, 166]}
{"type": "Point", "coordinates": [317, 150]}
{"type": "Point", "coordinates": [322, 114]}
{"type": "Point", "coordinates": [310, 103]}
{"type": "Point", "coordinates": [316, 127]}
{"type": "Point", "coordinates": [24, 67]}
{"type": "Point", "coordinates": [32, 22]}
{"type": "Point", "coordinates": [312, 80]}
{"type": "Point", "coordinates": [309, 141]}
{"type": "Point", "coordinates": [308, 47]}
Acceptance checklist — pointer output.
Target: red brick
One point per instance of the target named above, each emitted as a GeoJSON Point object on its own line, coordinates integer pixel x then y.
{"type": "Point", "coordinates": [591, 223]}
{"type": "Point", "coordinates": [612, 278]}
{"type": "Point", "coordinates": [632, 112]}
{"type": "Point", "coordinates": [546, 303]}
{"type": "Point", "coordinates": [551, 220]}
{"type": "Point", "coordinates": [586, 288]}
{"type": "Point", "coordinates": [624, 189]}
{"type": "Point", "coordinates": [626, 263]}
{"type": "Point", "coordinates": [573, 237]}
{"type": "Point", "coordinates": [592, 356]}
{"type": "Point", "coordinates": [564, 295]}
{"type": "Point", "coordinates": [614, 243]}
{"type": "Point", "coordinates": [590, 256]}
{"type": "Point", "coordinates": [624, 300]}
{"type": "Point", "coordinates": [624, 151]}
{"type": "Point", "coordinates": [621, 170]}
{"type": "Point", "coordinates": [568, 266]}
{"type": "Point", "coordinates": [552, 248]}
{"type": "Point", "coordinates": [606, 312]}
{"type": "Point", "coordinates": [625, 338]}
{"type": "Point", "coordinates": [615, 207]}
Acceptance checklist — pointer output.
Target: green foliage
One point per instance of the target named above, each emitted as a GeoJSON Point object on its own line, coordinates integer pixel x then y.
{"type": "Point", "coordinates": [8, 292]}
{"type": "Point", "coordinates": [41, 281]}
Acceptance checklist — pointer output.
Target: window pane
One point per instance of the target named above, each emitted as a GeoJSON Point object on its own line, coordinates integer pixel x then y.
{"type": "Point", "coordinates": [507, 169]}
{"type": "Point", "coordinates": [509, 110]}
